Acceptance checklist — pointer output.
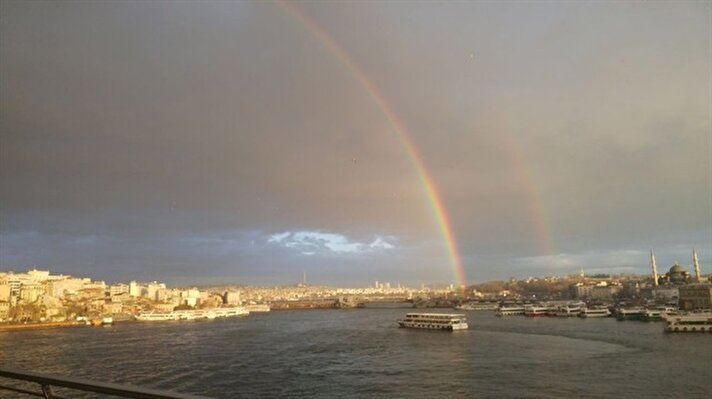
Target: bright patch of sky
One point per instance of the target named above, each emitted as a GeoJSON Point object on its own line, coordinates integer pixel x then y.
{"type": "Point", "coordinates": [313, 242]}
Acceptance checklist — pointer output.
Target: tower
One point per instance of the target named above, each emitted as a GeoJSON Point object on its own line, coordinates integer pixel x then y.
{"type": "Point", "coordinates": [696, 264]}
{"type": "Point", "coordinates": [654, 267]}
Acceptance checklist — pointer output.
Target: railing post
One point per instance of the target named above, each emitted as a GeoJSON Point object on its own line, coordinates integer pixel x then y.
{"type": "Point", "coordinates": [47, 391]}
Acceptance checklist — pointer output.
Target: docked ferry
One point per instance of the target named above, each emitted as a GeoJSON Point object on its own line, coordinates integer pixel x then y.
{"type": "Point", "coordinates": [536, 311]}
{"type": "Point", "coordinates": [691, 322]}
{"type": "Point", "coordinates": [510, 310]}
{"type": "Point", "coordinates": [196, 314]}
{"type": "Point", "coordinates": [569, 310]}
{"type": "Point", "coordinates": [594, 312]}
{"type": "Point", "coordinates": [478, 306]}
{"type": "Point", "coordinates": [157, 316]}
{"type": "Point", "coordinates": [434, 321]}
{"type": "Point", "coordinates": [630, 314]}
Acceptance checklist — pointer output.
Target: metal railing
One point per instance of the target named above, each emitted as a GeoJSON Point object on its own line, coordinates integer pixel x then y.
{"type": "Point", "coordinates": [47, 382]}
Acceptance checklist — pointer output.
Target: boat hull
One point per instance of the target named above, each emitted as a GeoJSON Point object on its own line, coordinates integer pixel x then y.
{"type": "Point", "coordinates": [431, 326]}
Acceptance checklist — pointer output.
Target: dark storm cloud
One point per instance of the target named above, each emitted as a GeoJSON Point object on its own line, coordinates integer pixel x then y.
{"type": "Point", "coordinates": [174, 139]}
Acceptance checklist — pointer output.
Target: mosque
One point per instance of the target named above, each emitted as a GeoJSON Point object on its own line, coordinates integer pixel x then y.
{"type": "Point", "coordinates": [691, 292]}
{"type": "Point", "coordinates": [677, 275]}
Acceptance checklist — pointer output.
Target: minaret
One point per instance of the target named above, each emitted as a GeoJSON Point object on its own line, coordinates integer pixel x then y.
{"type": "Point", "coordinates": [696, 263]}
{"type": "Point", "coordinates": [655, 269]}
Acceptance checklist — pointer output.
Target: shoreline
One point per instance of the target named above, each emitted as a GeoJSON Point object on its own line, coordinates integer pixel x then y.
{"type": "Point", "coordinates": [37, 326]}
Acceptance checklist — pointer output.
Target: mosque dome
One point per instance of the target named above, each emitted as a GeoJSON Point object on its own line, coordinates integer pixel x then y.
{"type": "Point", "coordinates": [677, 274]}
{"type": "Point", "coordinates": [677, 269]}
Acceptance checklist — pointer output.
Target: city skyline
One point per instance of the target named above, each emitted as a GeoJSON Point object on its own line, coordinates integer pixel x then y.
{"type": "Point", "coordinates": [253, 141]}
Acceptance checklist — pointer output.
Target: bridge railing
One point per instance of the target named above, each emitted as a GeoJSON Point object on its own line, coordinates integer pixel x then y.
{"type": "Point", "coordinates": [47, 382]}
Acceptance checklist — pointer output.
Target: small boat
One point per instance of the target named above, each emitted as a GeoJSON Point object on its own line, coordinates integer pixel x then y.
{"type": "Point", "coordinates": [107, 321]}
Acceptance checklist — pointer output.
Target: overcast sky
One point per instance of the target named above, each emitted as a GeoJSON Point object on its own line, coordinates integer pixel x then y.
{"type": "Point", "coordinates": [225, 141]}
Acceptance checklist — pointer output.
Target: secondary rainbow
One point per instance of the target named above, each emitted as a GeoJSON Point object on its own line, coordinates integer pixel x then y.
{"type": "Point", "coordinates": [431, 192]}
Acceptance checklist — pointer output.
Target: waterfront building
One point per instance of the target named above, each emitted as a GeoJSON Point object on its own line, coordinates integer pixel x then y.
{"type": "Point", "coordinates": [4, 310]}
{"type": "Point", "coordinates": [631, 289]}
{"type": "Point", "coordinates": [232, 297]}
{"type": "Point", "coordinates": [580, 290]}
{"type": "Point", "coordinates": [605, 292]}
{"type": "Point", "coordinates": [695, 296]}
{"type": "Point", "coordinates": [666, 294]}
{"type": "Point", "coordinates": [15, 283]}
{"type": "Point", "coordinates": [5, 291]}
{"type": "Point", "coordinates": [31, 292]}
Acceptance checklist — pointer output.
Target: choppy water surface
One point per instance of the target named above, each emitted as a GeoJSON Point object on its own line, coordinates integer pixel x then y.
{"type": "Point", "coordinates": [362, 353]}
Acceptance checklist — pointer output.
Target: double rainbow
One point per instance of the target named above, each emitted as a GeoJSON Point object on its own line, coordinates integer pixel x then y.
{"type": "Point", "coordinates": [431, 192]}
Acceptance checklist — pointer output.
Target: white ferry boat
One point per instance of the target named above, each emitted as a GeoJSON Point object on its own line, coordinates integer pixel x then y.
{"type": "Point", "coordinates": [594, 312]}
{"type": "Point", "coordinates": [434, 321]}
{"type": "Point", "coordinates": [157, 316]}
{"type": "Point", "coordinates": [566, 311]}
{"type": "Point", "coordinates": [509, 310]}
{"type": "Point", "coordinates": [196, 314]}
{"type": "Point", "coordinates": [478, 306]}
{"type": "Point", "coordinates": [691, 322]}
{"type": "Point", "coordinates": [536, 311]}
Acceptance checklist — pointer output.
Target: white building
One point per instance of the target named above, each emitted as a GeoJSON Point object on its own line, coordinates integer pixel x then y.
{"type": "Point", "coordinates": [5, 291]}
{"type": "Point", "coordinates": [152, 290]}
{"type": "Point", "coordinates": [69, 285]}
{"type": "Point", "coordinates": [31, 292]}
{"type": "Point", "coordinates": [232, 297]}
{"type": "Point", "coordinates": [134, 289]}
